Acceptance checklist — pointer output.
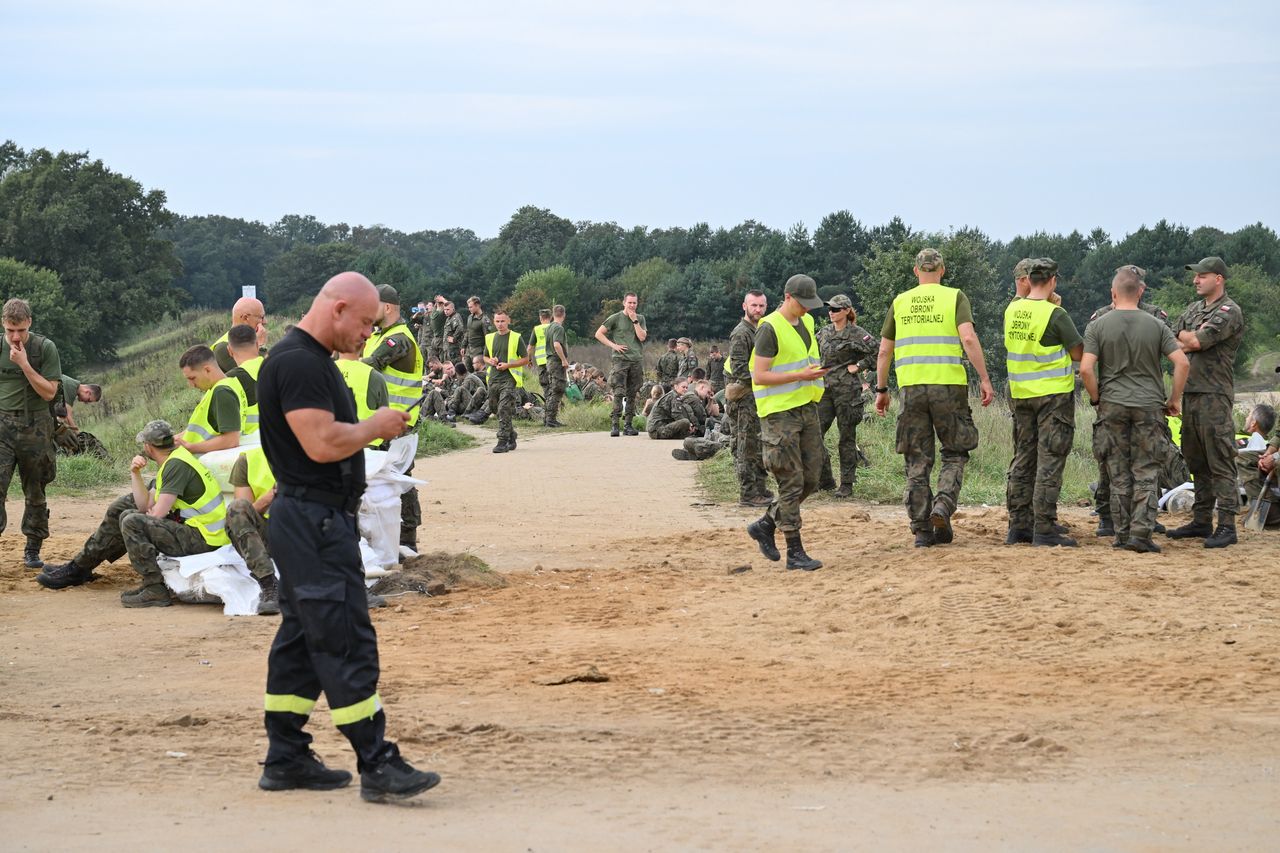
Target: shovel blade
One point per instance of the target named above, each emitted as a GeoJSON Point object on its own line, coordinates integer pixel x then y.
{"type": "Point", "coordinates": [1257, 517]}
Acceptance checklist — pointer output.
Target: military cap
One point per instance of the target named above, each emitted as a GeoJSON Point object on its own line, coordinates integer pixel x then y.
{"type": "Point", "coordinates": [804, 290]}
{"type": "Point", "coordinates": [839, 301]}
{"type": "Point", "coordinates": [1210, 264]}
{"type": "Point", "coordinates": [929, 260]}
{"type": "Point", "coordinates": [1022, 268]}
{"type": "Point", "coordinates": [156, 434]}
{"type": "Point", "coordinates": [685, 341]}
{"type": "Point", "coordinates": [1043, 269]}
{"type": "Point", "coordinates": [388, 294]}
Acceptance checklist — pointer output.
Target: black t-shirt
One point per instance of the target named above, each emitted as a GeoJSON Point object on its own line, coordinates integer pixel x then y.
{"type": "Point", "coordinates": [301, 375]}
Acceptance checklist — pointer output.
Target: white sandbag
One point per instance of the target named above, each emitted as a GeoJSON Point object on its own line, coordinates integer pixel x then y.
{"type": "Point", "coordinates": [218, 576]}
{"type": "Point", "coordinates": [1178, 498]}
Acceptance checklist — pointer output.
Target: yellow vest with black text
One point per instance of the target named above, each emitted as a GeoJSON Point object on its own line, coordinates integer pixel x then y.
{"type": "Point", "coordinates": [927, 350]}
{"type": "Point", "coordinates": [403, 388]}
{"type": "Point", "coordinates": [513, 354]}
{"type": "Point", "coordinates": [540, 345]}
{"type": "Point", "coordinates": [261, 479]}
{"type": "Point", "coordinates": [250, 418]}
{"type": "Point", "coordinates": [199, 428]}
{"type": "Point", "coordinates": [792, 357]}
{"type": "Point", "coordinates": [1034, 370]}
{"type": "Point", "coordinates": [209, 513]}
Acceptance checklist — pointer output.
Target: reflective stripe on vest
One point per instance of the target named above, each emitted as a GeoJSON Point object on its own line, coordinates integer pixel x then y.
{"type": "Point", "coordinates": [209, 513]}
{"type": "Point", "coordinates": [261, 480]}
{"type": "Point", "coordinates": [403, 388]}
{"type": "Point", "coordinates": [513, 354]}
{"type": "Point", "coordinates": [792, 357]}
{"type": "Point", "coordinates": [252, 367]}
{"type": "Point", "coordinates": [540, 345]}
{"type": "Point", "coordinates": [927, 350]}
{"type": "Point", "coordinates": [199, 428]}
{"type": "Point", "coordinates": [1034, 370]}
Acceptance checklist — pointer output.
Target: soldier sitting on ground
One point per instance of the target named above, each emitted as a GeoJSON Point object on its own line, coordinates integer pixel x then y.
{"type": "Point", "coordinates": [671, 417]}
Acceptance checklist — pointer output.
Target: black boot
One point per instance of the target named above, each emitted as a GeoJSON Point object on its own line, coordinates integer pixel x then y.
{"type": "Point", "coordinates": [307, 772]}
{"type": "Point", "coordinates": [394, 779]}
{"type": "Point", "coordinates": [1105, 527]}
{"type": "Point", "coordinates": [1194, 530]}
{"type": "Point", "coordinates": [796, 557]}
{"type": "Point", "coordinates": [1018, 536]}
{"type": "Point", "coordinates": [629, 428]}
{"type": "Point", "coordinates": [762, 530]}
{"type": "Point", "coordinates": [62, 576]}
{"type": "Point", "coordinates": [31, 555]}
{"type": "Point", "coordinates": [941, 521]}
{"type": "Point", "coordinates": [1052, 540]}
{"type": "Point", "coordinates": [1222, 537]}
{"type": "Point", "coordinates": [269, 598]}
{"type": "Point", "coordinates": [615, 431]}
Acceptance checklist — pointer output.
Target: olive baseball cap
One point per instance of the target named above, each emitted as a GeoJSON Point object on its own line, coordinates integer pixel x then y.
{"type": "Point", "coordinates": [156, 434]}
{"type": "Point", "coordinates": [1043, 268]}
{"type": "Point", "coordinates": [929, 260]}
{"type": "Point", "coordinates": [1210, 264]}
{"type": "Point", "coordinates": [839, 301]}
{"type": "Point", "coordinates": [685, 341]}
{"type": "Point", "coordinates": [1022, 268]}
{"type": "Point", "coordinates": [388, 294]}
{"type": "Point", "coordinates": [804, 290]}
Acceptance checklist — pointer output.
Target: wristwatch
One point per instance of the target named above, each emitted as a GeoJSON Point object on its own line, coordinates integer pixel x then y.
{"type": "Point", "coordinates": [884, 390]}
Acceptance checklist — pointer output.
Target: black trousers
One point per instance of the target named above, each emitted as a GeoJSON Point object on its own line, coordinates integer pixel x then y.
{"type": "Point", "coordinates": [326, 641]}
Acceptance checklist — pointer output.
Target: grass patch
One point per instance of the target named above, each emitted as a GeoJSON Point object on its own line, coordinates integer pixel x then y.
{"type": "Point", "coordinates": [885, 480]}
{"type": "Point", "coordinates": [434, 439]}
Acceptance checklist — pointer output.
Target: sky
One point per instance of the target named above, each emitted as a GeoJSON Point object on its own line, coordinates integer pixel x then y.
{"type": "Point", "coordinates": [1010, 117]}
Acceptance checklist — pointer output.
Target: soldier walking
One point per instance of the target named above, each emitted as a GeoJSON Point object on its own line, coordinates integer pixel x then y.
{"type": "Point", "coordinates": [847, 350]}
{"type": "Point", "coordinates": [557, 367]}
{"type": "Point", "coordinates": [504, 355]}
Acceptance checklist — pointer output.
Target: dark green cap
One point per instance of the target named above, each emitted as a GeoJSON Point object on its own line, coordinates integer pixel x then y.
{"type": "Point", "coordinates": [388, 294]}
{"type": "Point", "coordinates": [804, 290]}
{"type": "Point", "coordinates": [1210, 264]}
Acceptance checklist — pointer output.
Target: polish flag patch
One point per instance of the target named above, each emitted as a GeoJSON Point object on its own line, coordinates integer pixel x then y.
{"type": "Point", "coordinates": [1225, 308]}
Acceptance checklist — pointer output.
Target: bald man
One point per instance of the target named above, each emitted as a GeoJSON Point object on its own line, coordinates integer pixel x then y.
{"type": "Point", "coordinates": [315, 444]}
{"type": "Point", "coordinates": [247, 311]}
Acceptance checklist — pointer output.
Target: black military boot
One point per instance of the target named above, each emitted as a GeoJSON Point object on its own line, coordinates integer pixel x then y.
{"type": "Point", "coordinates": [1105, 527]}
{"type": "Point", "coordinates": [1194, 530]}
{"type": "Point", "coordinates": [394, 779]}
{"type": "Point", "coordinates": [1222, 537]}
{"type": "Point", "coordinates": [924, 538]}
{"type": "Point", "coordinates": [151, 594]}
{"type": "Point", "coordinates": [62, 576]}
{"type": "Point", "coordinates": [762, 530]}
{"type": "Point", "coordinates": [615, 431]}
{"type": "Point", "coordinates": [1141, 546]}
{"type": "Point", "coordinates": [845, 491]}
{"type": "Point", "coordinates": [1018, 536]}
{"type": "Point", "coordinates": [629, 428]}
{"type": "Point", "coordinates": [269, 600]}
{"type": "Point", "coordinates": [31, 555]}
{"type": "Point", "coordinates": [307, 772]}
{"type": "Point", "coordinates": [941, 521]}
{"type": "Point", "coordinates": [1051, 540]}
{"type": "Point", "coordinates": [796, 557]}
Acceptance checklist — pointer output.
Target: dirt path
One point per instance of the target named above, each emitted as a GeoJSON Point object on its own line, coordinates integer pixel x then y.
{"type": "Point", "coordinates": [969, 697]}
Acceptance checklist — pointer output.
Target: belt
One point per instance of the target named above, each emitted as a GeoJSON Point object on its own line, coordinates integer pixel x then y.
{"type": "Point", "coordinates": [346, 503]}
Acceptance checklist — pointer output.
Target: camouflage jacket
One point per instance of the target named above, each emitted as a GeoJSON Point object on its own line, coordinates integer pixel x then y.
{"type": "Point", "coordinates": [669, 409]}
{"type": "Point", "coordinates": [477, 328]}
{"type": "Point", "coordinates": [1220, 328]}
{"type": "Point", "coordinates": [668, 364]}
{"type": "Point", "coordinates": [688, 364]}
{"type": "Point", "coordinates": [742, 340]}
{"type": "Point", "coordinates": [842, 347]}
{"type": "Point", "coordinates": [1155, 311]}
{"type": "Point", "coordinates": [453, 328]}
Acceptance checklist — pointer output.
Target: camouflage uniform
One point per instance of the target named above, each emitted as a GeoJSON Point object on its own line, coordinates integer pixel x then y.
{"type": "Point", "coordinates": [248, 532]}
{"type": "Point", "coordinates": [1102, 496]}
{"type": "Point", "coordinates": [668, 367]}
{"type": "Point", "coordinates": [1043, 431]}
{"type": "Point", "coordinates": [688, 364]}
{"type": "Point", "coordinates": [453, 328]}
{"type": "Point", "coordinates": [476, 329]}
{"type": "Point", "coordinates": [792, 443]}
{"type": "Point", "coordinates": [1208, 429]}
{"type": "Point", "coordinates": [926, 410]}
{"type": "Point", "coordinates": [557, 377]}
{"type": "Point", "coordinates": [1130, 442]}
{"type": "Point", "coordinates": [26, 437]}
{"type": "Point", "coordinates": [145, 537]}
{"type": "Point", "coordinates": [715, 373]}
{"type": "Point", "coordinates": [435, 324]}
{"type": "Point", "coordinates": [503, 400]}
{"type": "Point", "coordinates": [423, 324]}
{"type": "Point", "coordinates": [748, 455]}
{"type": "Point", "coordinates": [704, 448]}
{"type": "Point", "coordinates": [842, 402]}
{"type": "Point", "coordinates": [671, 418]}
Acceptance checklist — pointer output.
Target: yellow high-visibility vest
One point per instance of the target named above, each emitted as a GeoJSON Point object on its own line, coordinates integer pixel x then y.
{"type": "Point", "coordinates": [540, 344]}
{"type": "Point", "coordinates": [199, 428]}
{"type": "Point", "coordinates": [927, 350]}
{"type": "Point", "coordinates": [513, 354]}
{"type": "Point", "coordinates": [261, 479]}
{"type": "Point", "coordinates": [403, 387]}
{"type": "Point", "coordinates": [792, 357]}
{"type": "Point", "coordinates": [208, 514]}
{"type": "Point", "coordinates": [250, 419]}
{"type": "Point", "coordinates": [1034, 370]}
{"type": "Point", "coordinates": [356, 374]}
{"type": "Point", "coordinates": [221, 340]}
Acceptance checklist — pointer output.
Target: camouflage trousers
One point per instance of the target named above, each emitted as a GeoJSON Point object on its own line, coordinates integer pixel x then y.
{"type": "Point", "coordinates": [146, 537]}
{"type": "Point", "coordinates": [435, 404]}
{"type": "Point", "coordinates": [748, 454]}
{"type": "Point", "coordinates": [1173, 469]}
{"type": "Point", "coordinates": [502, 401]}
{"type": "Point", "coordinates": [677, 429]}
{"type": "Point", "coordinates": [792, 449]}
{"type": "Point", "coordinates": [248, 532]}
{"type": "Point", "coordinates": [1131, 444]}
{"type": "Point", "coordinates": [1043, 430]}
{"type": "Point", "coordinates": [1209, 446]}
{"type": "Point", "coordinates": [410, 513]}
{"type": "Point", "coordinates": [625, 379]}
{"type": "Point", "coordinates": [26, 443]}
{"type": "Point", "coordinates": [929, 410]}
{"type": "Point", "coordinates": [1251, 478]}
{"type": "Point", "coordinates": [464, 402]}
{"type": "Point", "coordinates": [839, 405]}
{"type": "Point", "coordinates": [553, 390]}
{"type": "Point", "coordinates": [704, 448]}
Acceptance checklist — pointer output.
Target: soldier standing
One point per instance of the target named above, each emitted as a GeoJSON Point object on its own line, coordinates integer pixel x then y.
{"type": "Point", "coordinates": [503, 354]}
{"type": "Point", "coordinates": [668, 365]}
{"type": "Point", "coordinates": [435, 323]}
{"type": "Point", "coordinates": [1210, 332]}
{"type": "Point", "coordinates": [847, 350]}
{"type": "Point", "coordinates": [787, 380]}
{"type": "Point", "coordinates": [454, 333]}
{"type": "Point", "coordinates": [1041, 342]}
{"type": "Point", "coordinates": [625, 332]}
{"type": "Point", "coordinates": [537, 354]}
{"type": "Point", "coordinates": [926, 332]}
{"type": "Point", "coordinates": [688, 359]}
{"type": "Point", "coordinates": [30, 377]}
{"type": "Point", "coordinates": [477, 325]}
{"type": "Point", "coordinates": [715, 369]}
{"type": "Point", "coordinates": [748, 457]}
{"type": "Point", "coordinates": [1124, 377]}
{"type": "Point", "coordinates": [557, 365]}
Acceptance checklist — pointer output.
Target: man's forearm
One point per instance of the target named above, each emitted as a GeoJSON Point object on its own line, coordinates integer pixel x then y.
{"type": "Point", "coordinates": [973, 349]}
{"type": "Point", "coordinates": [219, 442]}
{"type": "Point", "coordinates": [46, 389]}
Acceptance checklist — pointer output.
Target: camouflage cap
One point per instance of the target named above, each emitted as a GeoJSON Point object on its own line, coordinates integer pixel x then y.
{"type": "Point", "coordinates": [388, 294]}
{"type": "Point", "coordinates": [839, 302]}
{"type": "Point", "coordinates": [804, 290]}
{"type": "Point", "coordinates": [1210, 264]}
{"type": "Point", "coordinates": [929, 260]}
{"type": "Point", "coordinates": [1043, 269]}
{"type": "Point", "coordinates": [156, 434]}
{"type": "Point", "coordinates": [685, 341]}
{"type": "Point", "coordinates": [1022, 268]}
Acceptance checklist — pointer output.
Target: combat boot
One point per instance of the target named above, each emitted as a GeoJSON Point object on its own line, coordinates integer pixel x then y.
{"type": "Point", "coordinates": [394, 779]}
{"type": "Point", "coordinates": [615, 431]}
{"type": "Point", "coordinates": [1052, 540]}
{"type": "Point", "coordinates": [796, 557]}
{"type": "Point", "coordinates": [501, 447]}
{"type": "Point", "coordinates": [269, 599]}
{"type": "Point", "coordinates": [845, 491]}
{"type": "Point", "coordinates": [941, 521]}
{"type": "Point", "coordinates": [629, 429]}
{"type": "Point", "coordinates": [682, 454]}
{"type": "Point", "coordinates": [31, 555]}
{"type": "Point", "coordinates": [828, 484]}
{"type": "Point", "coordinates": [1060, 528]}
{"type": "Point", "coordinates": [1018, 536]}
{"type": "Point", "coordinates": [149, 595]}
{"type": "Point", "coordinates": [1141, 546]}
{"type": "Point", "coordinates": [1105, 527]}
{"type": "Point", "coordinates": [756, 500]}
{"type": "Point", "coordinates": [1222, 537]}
{"type": "Point", "coordinates": [307, 772]}
{"type": "Point", "coordinates": [924, 539]}
{"type": "Point", "coordinates": [762, 530]}
{"type": "Point", "coordinates": [62, 576]}
{"type": "Point", "coordinates": [1193, 530]}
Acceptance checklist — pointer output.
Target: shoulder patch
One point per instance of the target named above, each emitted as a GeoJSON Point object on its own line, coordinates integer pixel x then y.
{"type": "Point", "coordinates": [391, 342]}
{"type": "Point", "coordinates": [1093, 316]}
{"type": "Point", "coordinates": [866, 337]}
{"type": "Point", "coordinates": [1164, 315]}
{"type": "Point", "coordinates": [1225, 308]}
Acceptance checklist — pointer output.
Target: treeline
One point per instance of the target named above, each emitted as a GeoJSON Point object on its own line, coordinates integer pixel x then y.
{"type": "Point", "coordinates": [120, 257]}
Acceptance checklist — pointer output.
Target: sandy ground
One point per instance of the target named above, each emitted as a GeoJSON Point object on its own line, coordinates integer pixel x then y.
{"type": "Point", "coordinates": [967, 697]}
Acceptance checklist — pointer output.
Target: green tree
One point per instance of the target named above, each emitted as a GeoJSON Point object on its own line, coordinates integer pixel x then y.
{"type": "Point", "coordinates": [522, 306]}
{"type": "Point", "coordinates": [295, 277]}
{"type": "Point", "coordinates": [51, 315]}
{"type": "Point", "coordinates": [220, 256]}
{"type": "Point", "coordinates": [559, 284]}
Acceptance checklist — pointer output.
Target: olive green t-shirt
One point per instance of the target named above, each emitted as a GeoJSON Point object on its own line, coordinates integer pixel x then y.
{"type": "Point", "coordinates": [1129, 344]}
{"type": "Point", "coordinates": [767, 339]}
{"type": "Point", "coordinates": [224, 411]}
{"type": "Point", "coordinates": [247, 382]}
{"type": "Point", "coordinates": [964, 314]}
{"type": "Point", "coordinates": [70, 390]}
{"type": "Point", "coordinates": [179, 478]}
{"type": "Point", "coordinates": [239, 477]}
{"type": "Point", "coordinates": [16, 393]}
{"type": "Point", "coordinates": [618, 328]}
{"type": "Point", "coordinates": [555, 332]}
{"type": "Point", "coordinates": [1060, 332]}
{"type": "Point", "coordinates": [377, 396]}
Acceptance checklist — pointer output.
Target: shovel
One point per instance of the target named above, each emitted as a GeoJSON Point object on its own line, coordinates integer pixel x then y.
{"type": "Point", "coordinates": [1256, 518]}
